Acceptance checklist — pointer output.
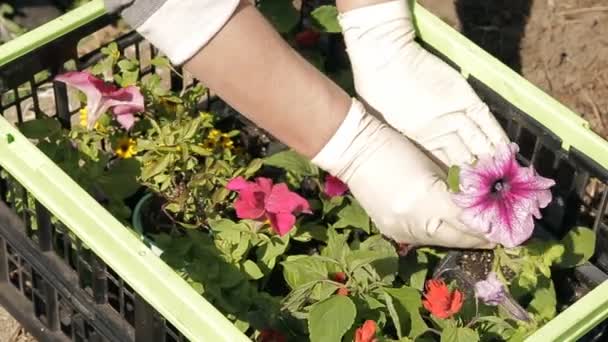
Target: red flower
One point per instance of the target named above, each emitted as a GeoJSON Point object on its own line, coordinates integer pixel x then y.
{"type": "Point", "coordinates": [439, 301]}
{"type": "Point", "coordinates": [367, 332]}
{"type": "Point", "coordinates": [269, 335]}
{"type": "Point", "coordinates": [334, 186]}
{"type": "Point", "coordinates": [343, 291]}
{"type": "Point", "coordinates": [307, 38]}
{"type": "Point", "coordinates": [262, 199]}
{"type": "Point", "coordinates": [340, 277]}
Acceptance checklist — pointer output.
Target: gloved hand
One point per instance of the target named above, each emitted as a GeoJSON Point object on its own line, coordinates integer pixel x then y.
{"type": "Point", "coordinates": [396, 183]}
{"type": "Point", "coordinates": [413, 90]}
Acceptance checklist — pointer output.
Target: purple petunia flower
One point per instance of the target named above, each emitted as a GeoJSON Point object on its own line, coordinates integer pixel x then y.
{"type": "Point", "coordinates": [491, 291]}
{"type": "Point", "coordinates": [501, 198]}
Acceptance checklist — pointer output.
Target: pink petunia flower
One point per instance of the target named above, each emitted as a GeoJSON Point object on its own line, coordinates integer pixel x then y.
{"type": "Point", "coordinates": [262, 199]}
{"type": "Point", "coordinates": [334, 186]}
{"type": "Point", "coordinates": [501, 198]}
{"type": "Point", "coordinates": [102, 96]}
{"type": "Point", "coordinates": [491, 291]}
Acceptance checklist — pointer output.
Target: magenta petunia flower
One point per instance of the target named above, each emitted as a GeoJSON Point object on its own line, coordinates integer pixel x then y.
{"type": "Point", "coordinates": [491, 291]}
{"type": "Point", "coordinates": [334, 186]}
{"type": "Point", "coordinates": [262, 200]}
{"type": "Point", "coordinates": [500, 198]}
{"type": "Point", "coordinates": [102, 96]}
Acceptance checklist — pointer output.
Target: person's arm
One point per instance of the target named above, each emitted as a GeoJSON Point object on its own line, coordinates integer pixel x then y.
{"type": "Point", "coordinates": [249, 65]}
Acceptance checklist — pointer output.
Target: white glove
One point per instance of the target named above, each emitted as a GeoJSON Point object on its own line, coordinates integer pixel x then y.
{"type": "Point", "coordinates": [397, 184]}
{"type": "Point", "coordinates": [178, 28]}
{"type": "Point", "coordinates": [416, 92]}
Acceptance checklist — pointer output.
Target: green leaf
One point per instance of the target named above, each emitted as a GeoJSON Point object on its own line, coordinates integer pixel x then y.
{"type": "Point", "coordinates": [387, 264]}
{"type": "Point", "coordinates": [293, 163]}
{"type": "Point", "coordinates": [326, 18]}
{"type": "Point", "coordinates": [160, 62]}
{"type": "Point", "coordinates": [253, 167]}
{"type": "Point", "coordinates": [393, 313]}
{"type": "Point", "coordinates": [252, 270]}
{"type": "Point", "coordinates": [543, 306]}
{"type": "Point", "coordinates": [336, 248]}
{"type": "Point", "coordinates": [454, 178]}
{"type": "Point", "coordinates": [330, 204]}
{"type": "Point", "coordinates": [40, 128]}
{"type": "Point", "coordinates": [203, 152]}
{"type": "Point", "coordinates": [309, 231]}
{"type": "Point", "coordinates": [579, 246]}
{"type": "Point", "coordinates": [456, 334]}
{"type": "Point", "coordinates": [330, 319]}
{"type": "Point", "coordinates": [300, 270]}
{"type": "Point", "coordinates": [280, 13]}
{"type": "Point", "coordinates": [120, 181]}
{"type": "Point", "coordinates": [414, 268]}
{"type": "Point", "coordinates": [408, 304]}
{"type": "Point", "coordinates": [156, 167]}
{"type": "Point", "coordinates": [128, 65]}
{"type": "Point", "coordinates": [267, 254]}
{"type": "Point", "coordinates": [353, 215]}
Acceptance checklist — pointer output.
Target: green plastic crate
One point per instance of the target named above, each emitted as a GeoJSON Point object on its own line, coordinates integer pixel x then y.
{"type": "Point", "coordinates": [555, 127]}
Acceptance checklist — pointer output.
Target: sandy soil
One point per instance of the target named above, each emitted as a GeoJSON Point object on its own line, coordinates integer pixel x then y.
{"type": "Point", "coordinates": [560, 46]}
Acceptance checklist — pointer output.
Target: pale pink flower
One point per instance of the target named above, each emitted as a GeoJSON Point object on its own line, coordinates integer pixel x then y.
{"type": "Point", "coordinates": [334, 186]}
{"type": "Point", "coordinates": [501, 198]}
{"type": "Point", "coordinates": [102, 96]}
{"type": "Point", "coordinates": [261, 199]}
{"type": "Point", "coordinates": [491, 291]}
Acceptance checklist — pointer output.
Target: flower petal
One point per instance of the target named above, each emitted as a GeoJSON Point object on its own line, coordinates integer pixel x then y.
{"type": "Point", "coordinates": [250, 204]}
{"type": "Point", "coordinates": [366, 332]}
{"type": "Point", "coordinates": [282, 200]}
{"type": "Point", "coordinates": [265, 184]}
{"type": "Point", "coordinates": [281, 222]}
{"type": "Point", "coordinates": [126, 120]}
{"type": "Point", "coordinates": [94, 88]}
{"type": "Point", "coordinates": [334, 186]}
{"type": "Point", "coordinates": [456, 302]}
{"type": "Point", "coordinates": [126, 101]}
{"type": "Point", "coordinates": [500, 198]}
{"type": "Point", "coordinates": [491, 291]}
{"type": "Point", "coordinates": [238, 183]}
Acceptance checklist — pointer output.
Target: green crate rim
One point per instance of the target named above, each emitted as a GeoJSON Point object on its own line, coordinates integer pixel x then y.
{"type": "Point", "coordinates": [172, 296]}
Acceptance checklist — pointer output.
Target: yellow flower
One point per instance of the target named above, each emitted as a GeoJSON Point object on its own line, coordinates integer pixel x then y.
{"type": "Point", "coordinates": [84, 118]}
{"type": "Point", "coordinates": [227, 143]}
{"type": "Point", "coordinates": [214, 135]}
{"type": "Point", "coordinates": [126, 148]}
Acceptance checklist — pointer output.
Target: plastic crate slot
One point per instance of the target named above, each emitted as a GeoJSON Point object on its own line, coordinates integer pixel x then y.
{"type": "Point", "coordinates": [52, 307]}
{"type": "Point", "coordinates": [527, 141]}
{"type": "Point", "coordinates": [148, 324]}
{"type": "Point", "coordinates": [544, 162]}
{"type": "Point", "coordinates": [62, 108]}
{"type": "Point", "coordinates": [10, 113]}
{"type": "Point", "coordinates": [172, 334]}
{"type": "Point", "coordinates": [44, 228]}
{"type": "Point", "coordinates": [100, 281]}
{"type": "Point", "coordinates": [4, 266]}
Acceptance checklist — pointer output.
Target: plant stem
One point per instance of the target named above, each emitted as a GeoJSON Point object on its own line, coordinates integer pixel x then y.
{"type": "Point", "coordinates": [435, 331]}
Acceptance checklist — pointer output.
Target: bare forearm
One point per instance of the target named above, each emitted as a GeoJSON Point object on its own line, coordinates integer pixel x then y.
{"type": "Point", "coordinates": [250, 66]}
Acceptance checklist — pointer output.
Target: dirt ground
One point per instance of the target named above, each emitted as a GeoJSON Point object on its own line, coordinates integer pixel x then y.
{"type": "Point", "coordinates": [559, 45]}
{"type": "Point", "coordinates": [10, 331]}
